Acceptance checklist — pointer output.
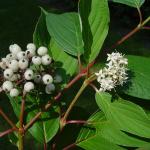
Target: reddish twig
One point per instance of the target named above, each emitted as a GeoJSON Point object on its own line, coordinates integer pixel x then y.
{"type": "Point", "coordinates": [22, 114]}
{"type": "Point", "coordinates": [8, 119]}
{"type": "Point", "coordinates": [32, 121]}
{"type": "Point", "coordinates": [136, 29]}
{"type": "Point", "coordinates": [7, 132]}
{"type": "Point", "coordinates": [76, 122]}
{"type": "Point", "coordinates": [36, 117]}
{"type": "Point", "coordinates": [147, 28]}
{"type": "Point", "coordinates": [69, 146]}
{"type": "Point", "coordinates": [45, 146]}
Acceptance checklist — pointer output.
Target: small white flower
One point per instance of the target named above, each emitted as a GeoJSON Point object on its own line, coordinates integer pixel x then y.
{"type": "Point", "coordinates": [47, 79]}
{"type": "Point", "coordinates": [36, 60]}
{"type": "Point", "coordinates": [13, 64]}
{"type": "Point", "coordinates": [15, 49]}
{"type": "Point", "coordinates": [28, 86]}
{"type": "Point", "coordinates": [14, 92]}
{"type": "Point", "coordinates": [31, 46]}
{"type": "Point", "coordinates": [23, 63]}
{"type": "Point", "coordinates": [57, 79]}
{"type": "Point", "coordinates": [37, 79]}
{"type": "Point", "coordinates": [30, 53]}
{"type": "Point", "coordinates": [42, 51]}
{"type": "Point", "coordinates": [8, 73]}
{"type": "Point", "coordinates": [114, 73]}
{"type": "Point", "coordinates": [21, 55]}
{"type": "Point", "coordinates": [28, 74]}
{"type": "Point", "coordinates": [50, 88]}
{"type": "Point", "coordinates": [46, 59]}
{"type": "Point", "coordinates": [7, 86]}
{"type": "Point", "coordinates": [107, 84]}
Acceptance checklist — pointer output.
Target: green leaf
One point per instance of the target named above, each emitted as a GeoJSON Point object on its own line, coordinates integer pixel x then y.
{"type": "Point", "coordinates": [140, 77]}
{"type": "Point", "coordinates": [95, 22]}
{"type": "Point", "coordinates": [89, 139]}
{"type": "Point", "coordinates": [66, 30]}
{"type": "Point", "coordinates": [132, 3]}
{"type": "Point", "coordinates": [48, 124]}
{"type": "Point", "coordinates": [65, 62]}
{"type": "Point", "coordinates": [107, 130]}
{"type": "Point", "coordinates": [124, 115]}
{"type": "Point", "coordinates": [97, 142]}
{"type": "Point", "coordinates": [41, 36]}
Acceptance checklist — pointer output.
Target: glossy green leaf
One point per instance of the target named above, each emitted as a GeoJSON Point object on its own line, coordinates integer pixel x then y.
{"type": "Point", "coordinates": [124, 115]}
{"type": "Point", "coordinates": [66, 30]}
{"type": "Point", "coordinates": [139, 81]}
{"type": "Point", "coordinates": [132, 3]}
{"type": "Point", "coordinates": [107, 130]}
{"type": "Point", "coordinates": [97, 142]}
{"type": "Point", "coordinates": [89, 139]}
{"type": "Point", "coordinates": [41, 36]}
{"type": "Point", "coordinates": [95, 22]}
{"type": "Point", "coordinates": [67, 62]}
{"type": "Point", "coordinates": [48, 124]}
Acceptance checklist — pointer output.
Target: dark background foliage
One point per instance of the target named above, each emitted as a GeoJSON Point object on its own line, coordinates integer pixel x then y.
{"type": "Point", "coordinates": [17, 22]}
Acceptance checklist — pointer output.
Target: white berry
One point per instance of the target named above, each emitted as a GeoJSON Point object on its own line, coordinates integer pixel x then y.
{"type": "Point", "coordinates": [42, 51]}
{"type": "Point", "coordinates": [28, 86]}
{"type": "Point", "coordinates": [14, 49]}
{"type": "Point", "coordinates": [28, 74]}
{"type": "Point", "coordinates": [47, 79]}
{"type": "Point", "coordinates": [50, 88]}
{"type": "Point", "coordinates": [57, 79]}
{"type": "Point", "coordinates": [23, 63]}
{"type": "Point", "coordinates": [36, 60]}
{"type": "Point", "coordinates": [46, 59]}
{"type": "Point", "coordinates": [5, 61]}
{"type": "Point", "coordinates": [10, 56]}
{"type": "Point", "coordinates": [3, 65]}
{"type": "Point", "coordinates": [8, 73]}
{"type": "Point", "coordinates": [31, 46]}
{"type": "Point", "coordinates": [14, 92]}
{"type": "Point", "coordinates": [7, 86]}
{"type": "Point", "coordinates": [13, 64]}
{"type": "Point", "coordinates": [37, 79]}
{"type": "Point", "coordinates": [30, 53]}
{"type": "Point", "coordinates": [21, 55]}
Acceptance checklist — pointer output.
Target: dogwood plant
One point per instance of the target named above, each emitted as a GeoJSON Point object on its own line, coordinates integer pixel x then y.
{"type": "Point", "coordinates": [66, 48]}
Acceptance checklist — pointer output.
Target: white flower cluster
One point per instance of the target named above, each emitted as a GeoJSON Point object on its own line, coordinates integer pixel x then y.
{"type": "Point", "coordinates": [114, 73]}
{"type": "Point", "coordinates": [27, 67]}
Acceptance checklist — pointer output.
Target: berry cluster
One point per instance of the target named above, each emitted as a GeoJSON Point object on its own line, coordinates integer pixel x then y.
{"type": "Point", "coordinates": [114, 73]}
{"type": "Point", "coordinates": [23, 69]}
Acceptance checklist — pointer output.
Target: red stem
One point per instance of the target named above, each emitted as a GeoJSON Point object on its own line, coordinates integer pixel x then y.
{"type": "Point", "coordinates": [7, 132]}
{"type": "Point", "coordinates": [76, 122]}
{"type": "Point", "coordinates": [45, 146]}
{"type": "Point", "coordinates": [22, 114]}
{"type": "Point", "coordinates": [69, 146]}
{"type": "Point", "coordinates": [8, 119]}
{"type": "Point", "coordinates": [147, 28]}
{"type": "Point", "coordinates": [126, 37]}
